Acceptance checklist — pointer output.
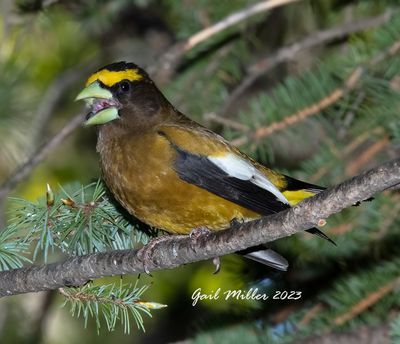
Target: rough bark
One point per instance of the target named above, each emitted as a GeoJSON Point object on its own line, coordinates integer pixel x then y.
{"type": "Point", "coordinates": [179, 250]}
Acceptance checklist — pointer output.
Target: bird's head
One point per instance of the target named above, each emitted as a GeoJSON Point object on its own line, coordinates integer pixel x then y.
{"type": "Point", "coordinates": [122, 94]}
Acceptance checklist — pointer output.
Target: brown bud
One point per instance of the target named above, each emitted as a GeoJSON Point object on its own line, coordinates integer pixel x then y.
{"type": "Point", "coordinates": [49, 195]}
{"type": "Point", "coordinates": [68, 202]}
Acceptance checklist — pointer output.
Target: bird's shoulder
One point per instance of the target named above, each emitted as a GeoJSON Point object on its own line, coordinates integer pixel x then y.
{"type": "Point", "coordinates": [195, 139]}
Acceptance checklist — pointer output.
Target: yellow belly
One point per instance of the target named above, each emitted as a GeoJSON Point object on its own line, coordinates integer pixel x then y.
{"type": "Point", "coordinates": [186, 208]}
{"type": "Point", "coordinates": [141, 177]}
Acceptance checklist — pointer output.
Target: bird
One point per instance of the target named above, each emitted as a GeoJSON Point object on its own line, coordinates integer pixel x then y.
{"type": "Point", "coordinates": [174, 174]}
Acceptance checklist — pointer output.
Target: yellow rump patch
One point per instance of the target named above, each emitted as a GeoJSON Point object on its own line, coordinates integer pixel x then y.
{"type": "Point", "coordinates": [295, 197]}
{"type": "Point", "coordinates": [110, 78]}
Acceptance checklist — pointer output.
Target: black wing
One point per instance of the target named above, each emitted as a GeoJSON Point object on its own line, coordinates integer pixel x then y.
{"type": "Point", "coordinates": [200, 171]}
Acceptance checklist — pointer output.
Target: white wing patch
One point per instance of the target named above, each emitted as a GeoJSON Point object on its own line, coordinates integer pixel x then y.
{"type": "Point", "coordinates": [239, 168]}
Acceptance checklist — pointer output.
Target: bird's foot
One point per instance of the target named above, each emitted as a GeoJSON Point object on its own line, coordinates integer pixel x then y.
{"type": "Point", "coordinates": [198, 232]}
{"type": "Point", "coordinates": [146, 251]}
{"type": "Point", "coordinates": [194, 235]}
{"type": "Point", "coordinates": [235, 222]}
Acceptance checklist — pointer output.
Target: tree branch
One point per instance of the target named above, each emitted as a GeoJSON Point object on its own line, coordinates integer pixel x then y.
{"type": "Point", "coordinates": [171, 58]}
{"type": "Point", "coordinates": [348, 85]}
{"type": "Point", "coordinates": [289, 52]}
{"type": "Point", "coordinates": [56, 91]}
{"type": "Point", "coordinates": [39, 155]}
{"type": "Point", "coordinates": [181, 250]}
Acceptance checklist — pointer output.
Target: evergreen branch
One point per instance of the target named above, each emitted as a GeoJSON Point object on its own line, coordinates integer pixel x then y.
{"type": "Point", "coordinates": [49, 102]}
{"type": "Point", "coordinates": [173, 56]}
{"type": "Point", "coordinates": [110, 301]}
{"type": "Point", "coordinates": [359, 140]}
{"type": "Point", "coordinates": [179, 250]}
{"type": "Point", "coordinates": [367, 302]}
{"type": "Point", "coordinates": [348, 149]}
{"type": "Point", "coordinates": [11, 252]}
{"type": "Point", "coordinates": [307, 112]}
{"type": "Point", "coordinates": [366, 156]}
{"type": "Point", "coordinates": [289, 52]}
{"type": "Point", "coordinates": [311, 314]}
{"type": "Point", "coordinates": [39, 155]}
{"type": "Point", "coordinates": [349, 84]}
{"type": "Point", "coordinates": [82, 222]}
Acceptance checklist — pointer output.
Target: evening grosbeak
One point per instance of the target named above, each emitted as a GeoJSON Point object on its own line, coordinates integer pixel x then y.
{"type": "Point", "coordinates": [171, 172]}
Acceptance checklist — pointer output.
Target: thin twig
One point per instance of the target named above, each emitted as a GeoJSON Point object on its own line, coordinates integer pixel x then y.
{"type": "Point", "coordinates": [288, 53]}
{"type": "Point", "coordinates": [56, 91]}
{"type": "Point", "coordinates": [39, 155]}
{"type": "Point", "coordinates": [366, 156]}
{"type": "Point", "coordinates": [369, 301]}
{"type": "Point", "coordinates": [348, 149]}
{"type": "Point", "coordinates": [45, 110]}
{"type": "Point", "coordinates": [231, 20]}
{"type": "Point", "coordinates": [304, 113]}
{"type": "Point", "coordinates": [359, 140]}
{"type": "Point", "coordinates": [349, 84]}
{"type": "Point", "coordinates": [82, 296]}
{"type": "Point", "coordinates": [179, 250]}
{"type": "Point", "coordinates": [311, 313]}
{"type": "Point", "coordinates": [226, 122]}
{"type": "Point", "coordinates": [173, 56]}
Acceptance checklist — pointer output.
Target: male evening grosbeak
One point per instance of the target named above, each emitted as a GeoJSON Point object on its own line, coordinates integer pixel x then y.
{"type": "Point", "coordinates": [172, 173]}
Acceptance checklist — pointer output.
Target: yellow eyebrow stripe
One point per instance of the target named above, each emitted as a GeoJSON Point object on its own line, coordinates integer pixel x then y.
{"type": "Point", "coordinates": [110, 78]}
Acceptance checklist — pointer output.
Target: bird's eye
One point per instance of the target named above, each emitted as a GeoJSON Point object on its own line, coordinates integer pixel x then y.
{"type": "Point", "coordinates": [124, 86]}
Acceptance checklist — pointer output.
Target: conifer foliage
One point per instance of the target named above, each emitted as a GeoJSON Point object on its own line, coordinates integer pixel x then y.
{"type": "Point", "coordinates": [309, 88]}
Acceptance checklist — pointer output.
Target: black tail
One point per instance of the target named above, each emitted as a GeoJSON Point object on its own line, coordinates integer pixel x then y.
{"type": "Point", "coordinates": [321, 234]}
{"type": "Point", "coordinates": [294, 185]}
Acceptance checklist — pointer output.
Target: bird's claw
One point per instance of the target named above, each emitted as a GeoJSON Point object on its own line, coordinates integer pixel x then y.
{"type": "Point", "coordinates": [235, 222]}
{"type": "Point", "coordinates": [198, 232]}
{"type": "Point", "coordinates": [217, 263]}
{"type": "Point", "coordinates": [146, 251]}
{"type": "Point", "coordinates": [195, 234]}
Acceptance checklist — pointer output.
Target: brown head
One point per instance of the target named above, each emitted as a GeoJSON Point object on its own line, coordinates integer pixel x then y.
{"type": "Point", "coordinates": [121, 96]}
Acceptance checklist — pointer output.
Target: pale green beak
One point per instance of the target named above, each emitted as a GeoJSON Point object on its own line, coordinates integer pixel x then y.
{"type": "Point", "coordinates": [96, 97]}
